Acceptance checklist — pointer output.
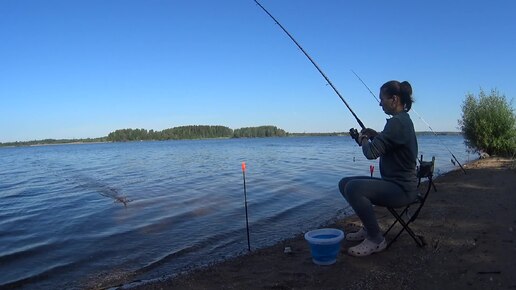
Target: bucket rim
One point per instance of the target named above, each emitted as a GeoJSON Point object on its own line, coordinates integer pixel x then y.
{"type": "Point", "coordinates": [309, 236]}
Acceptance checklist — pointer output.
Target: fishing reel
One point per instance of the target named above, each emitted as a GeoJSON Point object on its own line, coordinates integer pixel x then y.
{"type": "Point", "coordinates": [354, 135]}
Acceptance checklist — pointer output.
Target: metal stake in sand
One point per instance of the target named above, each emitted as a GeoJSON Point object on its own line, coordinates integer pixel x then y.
{"type": "Point", "coordinates": [245, 202]}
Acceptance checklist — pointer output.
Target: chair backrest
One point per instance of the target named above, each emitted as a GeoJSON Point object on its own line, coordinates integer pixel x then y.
{"type": "Point", "coordinates": [425, 168]}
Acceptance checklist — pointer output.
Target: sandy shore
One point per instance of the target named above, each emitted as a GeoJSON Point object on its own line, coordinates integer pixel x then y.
{"type": "Point", "coordinates": [469, 225]}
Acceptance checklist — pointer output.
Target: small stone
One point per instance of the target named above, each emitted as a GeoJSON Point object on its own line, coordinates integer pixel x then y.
{"type": "Point", "coordinates": [287, 250]}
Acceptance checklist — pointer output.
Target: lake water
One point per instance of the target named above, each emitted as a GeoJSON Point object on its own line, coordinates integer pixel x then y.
{"type": "Point", "coordinates": [63, 225]}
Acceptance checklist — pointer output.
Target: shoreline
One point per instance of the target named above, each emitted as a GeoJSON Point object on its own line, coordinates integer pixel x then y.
{"type": "Point", "coordinates": [468, 225]}
{"type": "Point", "coordinates": [64, 141]}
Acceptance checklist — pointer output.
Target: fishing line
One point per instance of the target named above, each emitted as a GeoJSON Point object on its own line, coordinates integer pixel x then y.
{"type": "Point", "coordinates": [313, 62]}
{"type": "Point", "coordinates": [421, 118]}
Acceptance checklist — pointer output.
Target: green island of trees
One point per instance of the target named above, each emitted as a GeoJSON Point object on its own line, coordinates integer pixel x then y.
{"type": "Point", "coordinates": [176, 133]}
{"type": "Point", "coordinates": [195, 132]}
{"type": "Point", "coordinates": [53, 142]}
{"type": "Point", "coordinates": [186, 132]}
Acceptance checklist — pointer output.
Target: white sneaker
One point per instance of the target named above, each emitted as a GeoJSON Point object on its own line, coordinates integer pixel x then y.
{"type": "Point", "coordinates": [367, 247]}
{"type": "Point", "coordinates": [357, 236]}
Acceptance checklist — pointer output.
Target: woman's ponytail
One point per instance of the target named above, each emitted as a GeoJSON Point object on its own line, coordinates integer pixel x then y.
{"type": "Point", "coordinates": [406, 95]}
{"type": "Point", "coordinates": [403, 90]}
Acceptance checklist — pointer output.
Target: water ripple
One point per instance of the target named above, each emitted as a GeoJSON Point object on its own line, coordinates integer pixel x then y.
{"type": "Point", "coordinates": [60, 217]}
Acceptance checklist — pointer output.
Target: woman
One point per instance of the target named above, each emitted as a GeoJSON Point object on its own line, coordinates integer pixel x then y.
{"type": "Point", "coordinates": [397, 148]}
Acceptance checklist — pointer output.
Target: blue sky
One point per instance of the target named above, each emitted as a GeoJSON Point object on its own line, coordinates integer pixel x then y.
{"type": "Point", "coordinates": [84, 68]}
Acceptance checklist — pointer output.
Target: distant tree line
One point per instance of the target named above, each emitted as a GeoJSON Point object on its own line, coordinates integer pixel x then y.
{"type": "Point", "coordinates": [189, 132]}
{"type": "Point", "coordinates": [318, 134]}
{"type": "Point", "coordinates": [53, 142]}
{"type": "Point", "coordinates": [261, 131]}
{"type": "Point", "coordinates": [205, 132]}
{"type": "Point", "coordinates": [176, 133]}
{"type": "Point", "coordinates": [194, 132]}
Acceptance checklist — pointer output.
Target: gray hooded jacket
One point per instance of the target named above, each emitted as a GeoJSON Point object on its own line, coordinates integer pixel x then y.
{"type": "Point", "coordinates": [397, 148]}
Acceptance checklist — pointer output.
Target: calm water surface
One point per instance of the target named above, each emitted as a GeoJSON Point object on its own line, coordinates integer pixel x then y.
{"type": "Point", "coordinates": [62, 224]}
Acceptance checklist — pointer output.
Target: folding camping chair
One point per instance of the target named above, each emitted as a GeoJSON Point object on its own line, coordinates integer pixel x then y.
{"type": "Point", "coordinates": [424, 170]}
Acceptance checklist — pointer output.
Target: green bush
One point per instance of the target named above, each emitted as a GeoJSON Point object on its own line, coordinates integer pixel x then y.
{"type": "Point", "coordinates": [489, 124]}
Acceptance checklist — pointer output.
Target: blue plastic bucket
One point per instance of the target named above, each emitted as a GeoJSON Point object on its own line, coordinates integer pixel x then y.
{"type": "Point", "coordinates": [324, 245]}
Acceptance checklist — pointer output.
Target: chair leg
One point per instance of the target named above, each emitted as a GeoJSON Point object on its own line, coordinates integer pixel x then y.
{"type": "Point", "coordinates": [396, 221]}
{"type": "Point", "coordinates": [398, 217]}
{"type": "Point", "coordinates": [405, 226]}
{"type": "Point", "coordinates": [433, 185]}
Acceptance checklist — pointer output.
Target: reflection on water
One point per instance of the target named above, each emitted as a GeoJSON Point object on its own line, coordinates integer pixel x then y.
{"type": "Point", "coordinates": [63, 222]}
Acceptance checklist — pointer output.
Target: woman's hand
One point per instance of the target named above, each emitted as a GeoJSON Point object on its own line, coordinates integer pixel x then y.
{"type": "Point", "coordinates": [369, 132]}
{"type": "Point", "coordinates": [362, 138]}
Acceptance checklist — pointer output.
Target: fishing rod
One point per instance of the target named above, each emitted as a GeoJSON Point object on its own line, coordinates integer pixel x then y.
{"type": "Point", "coordinates": [245, 203]}
{"type": "Point", "coordinates": [421, 118]}
{"type": "Point", "coordinates": [313, 62]}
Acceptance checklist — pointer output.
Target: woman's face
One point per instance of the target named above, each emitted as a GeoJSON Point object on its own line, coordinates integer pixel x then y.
{"type": "Point", "coordinates": [387, 103]}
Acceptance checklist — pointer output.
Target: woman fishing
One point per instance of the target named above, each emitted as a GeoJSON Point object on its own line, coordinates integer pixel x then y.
{"type": "Point", "coordinates": [396, 146]}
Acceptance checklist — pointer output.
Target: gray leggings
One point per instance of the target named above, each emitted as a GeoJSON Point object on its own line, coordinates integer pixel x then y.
{"type": "Point", "coordinates": [362, 192]}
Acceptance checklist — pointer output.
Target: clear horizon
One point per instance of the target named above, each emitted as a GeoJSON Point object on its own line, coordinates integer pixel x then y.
{"type": "Point", "coordinates": [81, 69]}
